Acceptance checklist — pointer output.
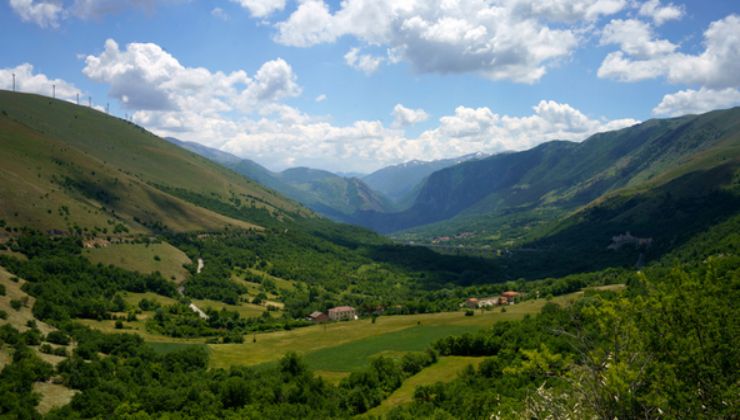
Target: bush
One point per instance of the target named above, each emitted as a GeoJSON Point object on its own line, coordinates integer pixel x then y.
{"type": "Point", "coordinates": [3, 314]}
{"type": "Point", "coordinates": [16, 304]}
{"type": "Point", "coordinates": [119, 324]}
{"type": "Point", "coordinates": [469, 312]}
{"type": "Point", "coordinates": [33, 337]}
{"type": "Point", "coordinates": [2, 290]}
{"type": "Point", "coordinates": [58, 337]}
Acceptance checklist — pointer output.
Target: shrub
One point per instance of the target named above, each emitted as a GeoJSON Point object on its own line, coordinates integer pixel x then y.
{"type": "Point", "coordinates": [469, 312]}
{"type": "Point", "coordinates": [33, 337]}
{"type": "Point", "coordinates": [58, 337]}
{"type": "Point", "coordinates": [119, 324]}
{"type": "Point", "coordinates": [2, 290]}
{"type": "Point", "coordinates": [3, 314]}
{"type": "Point", "coordinates": [16, 304]}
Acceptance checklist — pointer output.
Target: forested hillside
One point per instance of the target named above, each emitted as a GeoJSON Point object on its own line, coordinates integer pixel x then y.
{"type": "Point", "coordinates": [537, 186]}
{"type": "Point", "coordinates": [331, 195]}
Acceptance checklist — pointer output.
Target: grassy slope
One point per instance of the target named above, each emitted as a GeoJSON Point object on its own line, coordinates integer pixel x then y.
{"type": "Point", "coordinates": [52, 396]}
{"type": "Point", "coordinates": [140, 257]}
{"type": "Point", "coordinates": [19, 318]}
{"type": "Point", "coordinates": [110, 163]}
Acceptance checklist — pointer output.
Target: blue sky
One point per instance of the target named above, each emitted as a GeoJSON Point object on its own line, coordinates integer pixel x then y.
{"type": "Point", "coordinates": [361, 84]}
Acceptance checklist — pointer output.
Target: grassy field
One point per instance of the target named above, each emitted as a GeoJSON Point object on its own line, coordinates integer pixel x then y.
{"type": "Point", "coordinates": [279, 282]}
{"type": "Point", "coordinates": [141, 258]}
{"type": "Point", "coordinates": [354, 356]}
{"type": "Point", "coordinates": [52, 396]}
{"type": "Point", "coordinates": [133, 299]}
{"type": "Point", "coordinates": [245, 310]}
{"type": "Point", "coordinates": [163, 348]}
{"type": "Point", "coordinates": [136, 327]}
{"type": "Point", "coordinates": [445, 370]}
{"type": "Point", "coordinates": [327, 340]}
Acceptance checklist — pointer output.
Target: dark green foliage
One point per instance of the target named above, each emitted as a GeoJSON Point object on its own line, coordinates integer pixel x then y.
{"type": "Point", "coordinates": [609, 355]}
{"type": "Point", "coordinates": [66, 285]}
{"type": "Point", "coordinates": [2, 290]}
{"type": "Point", "coordinates": [16, 379]}
{"type": "Point", "coordinates": [16, 304]}
{"type": "Point", "coordinates": [368, 388]}
{"type": "Point", "coordinates": [3, 314]}
{"type": "Point", "coordinates": [58, 337]}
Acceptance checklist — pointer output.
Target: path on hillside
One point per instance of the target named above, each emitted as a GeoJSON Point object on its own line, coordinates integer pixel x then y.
{"type": "Point", "coordinates": [181, 291]}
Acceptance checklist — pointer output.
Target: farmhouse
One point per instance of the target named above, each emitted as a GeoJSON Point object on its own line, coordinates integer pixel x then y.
{"type": "Point", "coordinates": [510, 294]}
{"type": "Point", "coordinates": [342, 312]}
{"type": "Point", "coordinates": [318, 317]}
{"type": "Point", "coordinates": [488, 301]}
{"type": "Point", "coordinates": [506, 298]}
{"type": "Point", "coordinates": [471, 303]}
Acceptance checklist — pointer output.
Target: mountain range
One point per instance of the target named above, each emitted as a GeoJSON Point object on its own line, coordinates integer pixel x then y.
{"type": "Point", "coordinates": [332, 195]}
{"type": "Point", "coordinates": [73, 168]}
{"type": "Point", "coordinates": [512, 194]}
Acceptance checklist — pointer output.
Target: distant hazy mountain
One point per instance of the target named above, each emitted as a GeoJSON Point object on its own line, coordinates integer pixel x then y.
{"type": "Point", "coordinates": [510, 195]}
{"type": "Point", "coordinates": [397, 182]}
{"type": "Point", "coordinates": [332, 195]}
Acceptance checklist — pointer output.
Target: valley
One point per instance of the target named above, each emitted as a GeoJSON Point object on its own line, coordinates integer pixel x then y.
{"type": "Point", "coordinates": [142, 277]}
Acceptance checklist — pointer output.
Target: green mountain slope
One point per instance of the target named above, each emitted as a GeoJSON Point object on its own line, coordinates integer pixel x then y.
{"type": "Point", "coordinates": [64, 167]}
{"type": "Point", "coordinates": [510, 194]}
{"type": "Point", "coordinates": [332, 195]}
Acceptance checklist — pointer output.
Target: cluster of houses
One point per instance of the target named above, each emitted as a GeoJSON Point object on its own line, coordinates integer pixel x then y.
{"type": "Point", "coordinates": [339, 313]}
{"type": "Point", "coordinates": [506, 298]}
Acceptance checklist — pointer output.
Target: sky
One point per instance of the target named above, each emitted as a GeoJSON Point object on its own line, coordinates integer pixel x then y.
{"type": "Point", "coordinates": [356, 85]}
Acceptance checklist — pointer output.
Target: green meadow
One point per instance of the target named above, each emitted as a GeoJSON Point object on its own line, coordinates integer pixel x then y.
{"type": "Point", "coordinates": [144, 258]}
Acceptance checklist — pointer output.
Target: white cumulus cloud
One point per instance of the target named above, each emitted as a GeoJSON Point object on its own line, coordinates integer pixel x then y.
{"type": "Point", "coordinates": [661, 14]}
{"type": "Point", "coordinates": [261, 8]}
{"type": "Point", "coordinates": [145, 77]}
{"type": "Point", "coordinates": [692, 101]}
{"type": "Point", "coordinates": [511, 39]}
{"type": "Point", "coordinates": [366, 63]}
{"type": "Point", "coordinates": [28, 81]}
{"type": "Point", "coordinates": [43, 13]}
{"type": "Point", "coordinates": [642, 56]}
{"type": "Point", "coordinates": [49, 13]}
{"type": "Point", "coordinates": [404, 117]}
